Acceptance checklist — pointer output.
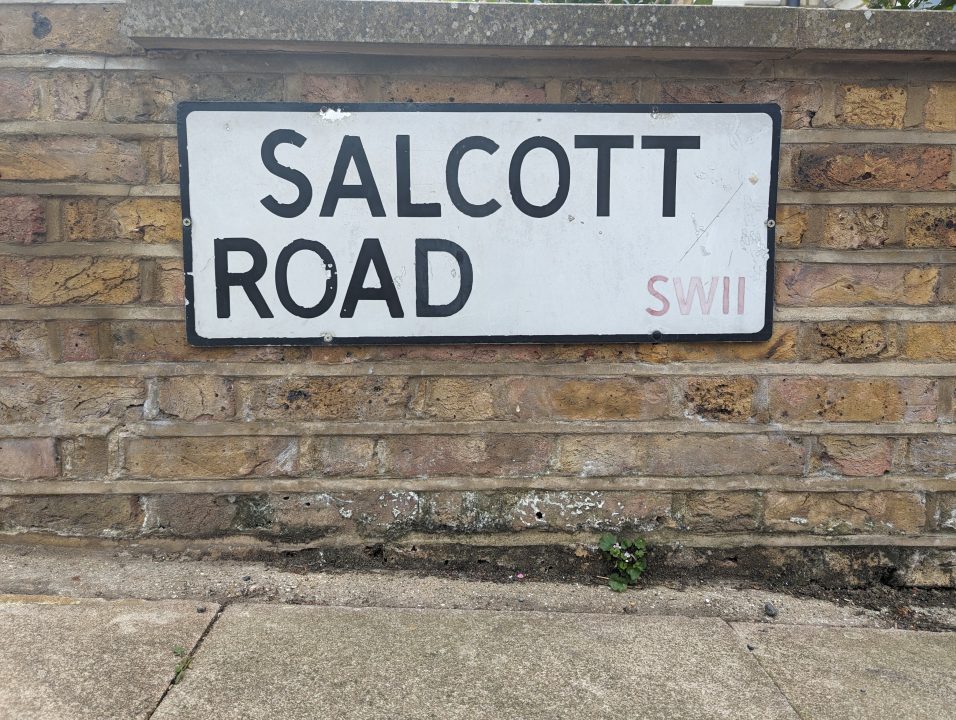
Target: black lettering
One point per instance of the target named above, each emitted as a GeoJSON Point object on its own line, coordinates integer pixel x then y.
{"type": "Point", "coordinates": [670, 144]}
{"type": "Point", "coordinates": [604, 144]}
{"type": "Point", "coordinates": [246, 280]}
{"type": "Point", "coordinates": [371, 254]}
{"type": "Point", "coordinates": [423, 246]}
{"type": "Point", "coordinates": [452, 168]}
{"type": "Point", "coordinates": [564, 177]}
{"type": "Point", "coordinates": [406, 208]}
{"type": "Point", "coordinates": [268, 153]}
{"type": "Point", "coordinates": [351, 151]}
{"type": "Point", "coordinates": [282, 278]}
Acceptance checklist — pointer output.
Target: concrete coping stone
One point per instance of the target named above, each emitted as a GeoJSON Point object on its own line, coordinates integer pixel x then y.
{"type": "Point", "coordinates": [536, 30]}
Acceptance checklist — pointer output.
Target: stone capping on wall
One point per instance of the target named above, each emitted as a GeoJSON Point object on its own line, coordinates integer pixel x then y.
{"type": "Point", "coordinates": [378, 26]}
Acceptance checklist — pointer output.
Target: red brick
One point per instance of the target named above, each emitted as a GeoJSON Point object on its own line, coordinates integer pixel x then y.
{"type": "Point", "coordinates": [79, 341]}
{"type": "Point", "coordinates": [841, 400]}
{"type": "Point", "coordinates": [211, 457]}
{"type": "Point", "coordinates": [484, 455]}
{"type": "Point", "coordinates": [806, 285]}
{"type": "Point", "coordinates": [27, 459]}
{"type": "Point", "coordinates": [856, 456]}
{"type": "Point", "coordinates": [21, 95]}
{"type": "Point", "coordinates": [799, 101]}
{"type": "Point", "coordinates": [679, 455]}
{"type": "Point", "coordinates": [22, 220]}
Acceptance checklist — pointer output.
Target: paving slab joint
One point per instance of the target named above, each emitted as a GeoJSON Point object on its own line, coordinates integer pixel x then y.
{"type": "Point", "coordinates": [187, 659]}
{"type": "Point", "coordinates": [763, 669]}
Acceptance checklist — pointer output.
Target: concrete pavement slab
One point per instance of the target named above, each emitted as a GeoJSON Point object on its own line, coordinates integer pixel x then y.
{"type": "Point", "coordinates": [859, 674]}
{"type": "Point", "coordinates": [91, 659]}
{"type": "Point", "coordinates": [110, 574]}
{"type": "Point", "coordinates": [292, 662]}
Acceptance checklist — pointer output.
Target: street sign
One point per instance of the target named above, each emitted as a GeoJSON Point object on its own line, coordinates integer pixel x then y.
{"type": "Point", "coordinates": [308, 224]}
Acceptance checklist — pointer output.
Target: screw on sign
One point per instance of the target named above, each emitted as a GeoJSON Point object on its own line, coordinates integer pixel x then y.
{"type": "Point", "coordinates": [477, 223]}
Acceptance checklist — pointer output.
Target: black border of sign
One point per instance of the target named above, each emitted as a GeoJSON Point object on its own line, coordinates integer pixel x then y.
{"type": "Point", "coordinates": [185, 108]}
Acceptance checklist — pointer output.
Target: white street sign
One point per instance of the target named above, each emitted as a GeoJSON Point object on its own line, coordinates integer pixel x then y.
{"type": "Point", "coordinates": [477, 223]}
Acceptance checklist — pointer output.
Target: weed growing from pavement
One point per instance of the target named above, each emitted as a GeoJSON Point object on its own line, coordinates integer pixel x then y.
{"type": "Point", "coordinates": [627, 557]}
{"type": "Point", "coordinates": [180, 671]}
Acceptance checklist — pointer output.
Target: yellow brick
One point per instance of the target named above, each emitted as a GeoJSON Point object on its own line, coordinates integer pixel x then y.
{"type": "Point", "coordinates": [930, 341]}
{"type": "Point", "coordinates": [52, 28]}
{"type": "Point", "coordinates": [197, 397]}
{"type": "Point", "coordinates": [791, 225]}
{"type": "Point", "coordinates": [149, 220]}
{"type": "Point", "coordinates": [845, 513]}
{"type": "Point", "coordinates": [880, 107]}
{"type": "Point", "coordinates": [58, 281]}
{"type": "Point", "coordinates": [931, 227]}
{"type": "Point", "coordinates": [170, 287]}
{"type": "Point", "coordinates": [941, 107]}
{"type": "Point", "coordinates": [81, 159]}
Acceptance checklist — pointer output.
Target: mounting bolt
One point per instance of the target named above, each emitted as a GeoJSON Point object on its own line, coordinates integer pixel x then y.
{"type": "Point", "coordinates": [187, 222]}
{"type": "Point", "coordinates": [771, 223]}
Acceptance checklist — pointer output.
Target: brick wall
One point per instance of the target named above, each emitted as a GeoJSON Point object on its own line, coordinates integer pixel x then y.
{"type": "Point", "coordinates": [836, 433]}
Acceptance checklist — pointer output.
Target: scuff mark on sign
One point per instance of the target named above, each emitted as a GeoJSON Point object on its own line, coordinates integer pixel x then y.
{"type": "Point", "coordinates": [704, 231]}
